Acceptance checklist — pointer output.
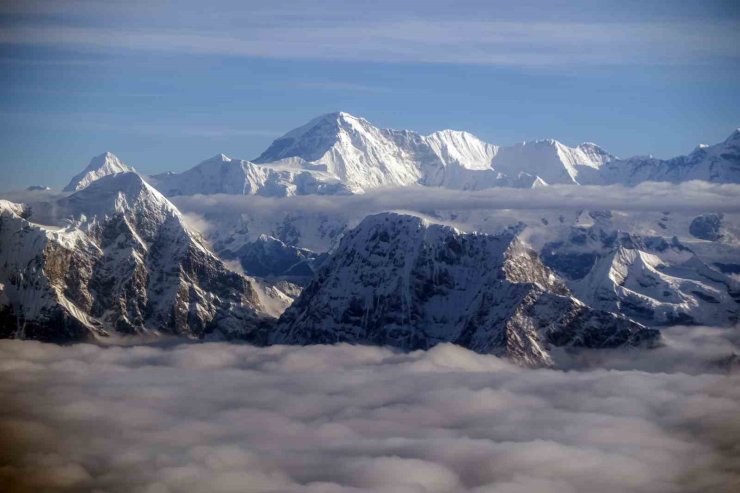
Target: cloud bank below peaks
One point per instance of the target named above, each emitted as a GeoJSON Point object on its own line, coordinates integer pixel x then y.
{"type": "Point", "coordinates": [693, 196]}
{"type": "Point", "coordinates": [222, 418]}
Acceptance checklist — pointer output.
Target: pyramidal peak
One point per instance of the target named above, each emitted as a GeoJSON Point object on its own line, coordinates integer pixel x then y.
{"type": "Point", "coordinates": [335, 120]}
{"type": "Point", "coordinates": [343, 116]}
{"type": "Point", "coordinates": [103, 165]}
{"type": "Point", "coordinates": [119, 192]}
{"type": "Point", "coordinates": [322, 132]}
{"type": "Point", "coordinates": [218, 158]}
{"type": "Point", "coordinates": [105, 157]}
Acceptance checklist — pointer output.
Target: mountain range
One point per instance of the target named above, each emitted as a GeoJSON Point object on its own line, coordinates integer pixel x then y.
{"type": "Point", "coordinates": [339, 153]}
{"type": "Point", "coordinates": [114, 256]}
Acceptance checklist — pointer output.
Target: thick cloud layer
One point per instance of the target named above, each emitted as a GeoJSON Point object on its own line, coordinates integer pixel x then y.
{"type": "Point", "coordinates": [694, 196]}
{"type": "Point", "coordinates": [642, 208]}
{"type": "Point", "coordinates": [220, 418]}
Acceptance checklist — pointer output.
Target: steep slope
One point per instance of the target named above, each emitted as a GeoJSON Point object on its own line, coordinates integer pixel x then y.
{"type": "Point", "coordinates": [33, 297]}
{"type": "Point", "coordinates": [463, 148]}
{"type": "Point", "coordinates": [100, 166]}
{"type": "Point", "coordinates": [125, 263]}
{"type": "Point", "coordinates": [222, 174]}
{"type": "Point", "coordinates": [648, 279]}
{"type": "Point", "coordinates": [399, 281]}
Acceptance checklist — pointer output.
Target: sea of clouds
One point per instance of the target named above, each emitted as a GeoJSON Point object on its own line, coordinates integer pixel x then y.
{"type": "Point", "coordinates": [217, 417]}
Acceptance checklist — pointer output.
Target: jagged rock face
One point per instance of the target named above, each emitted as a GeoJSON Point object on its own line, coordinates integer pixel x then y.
{"type": "Point", "coordinates": [398, 281]}
{"type": "Point", "coordinates": [128, 264]}
{"type": "Point", "coordinates": [32, 303]}
{"type": "Point", "coordinates": [648, 279]}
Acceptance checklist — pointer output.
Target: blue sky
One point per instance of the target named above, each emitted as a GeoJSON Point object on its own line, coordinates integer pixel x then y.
{"type": "Point", "coordinates": [165, 85]}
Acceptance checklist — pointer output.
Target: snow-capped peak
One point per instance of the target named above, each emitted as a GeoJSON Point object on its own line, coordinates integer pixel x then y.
{"type": "Point", "coordinates": [118, 193]}
{"type": "Point", "coordinates": [595, 149]}
{"type": "Point", "coordinates": [734, 137]}
{"type": "Point", "coordinates": [102, 165]}
{"type": "Point", "coordinates": [362, 156]}
{"type": "Point", "coordinates": [359, 154]}
{"type": "Point", "coordinates": [331, 122]}
{"type": "Point", "coordinates": [312, 140]}
{"type": "Point", "coordinates": [551, 160]}
{"type": "Point", "coordinates": [218, 158]}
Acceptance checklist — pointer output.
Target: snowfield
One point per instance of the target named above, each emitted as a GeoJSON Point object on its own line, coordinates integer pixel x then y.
{"type": "Point", "coordinates": [221, 417]}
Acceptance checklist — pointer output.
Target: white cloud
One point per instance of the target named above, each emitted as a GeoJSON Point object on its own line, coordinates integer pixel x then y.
{"type": "Point", "coordinates": [219, 417]}
{"type": "Point", "coordinates": [317, 218]}
{"type": "Point", "coordinates": [418, 38]}
{"type": "Point", "coordinates": [693, 196]}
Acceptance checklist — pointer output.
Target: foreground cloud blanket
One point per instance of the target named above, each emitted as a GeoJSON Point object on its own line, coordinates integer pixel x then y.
{"type": "Point", "coordinates": [218, 417]}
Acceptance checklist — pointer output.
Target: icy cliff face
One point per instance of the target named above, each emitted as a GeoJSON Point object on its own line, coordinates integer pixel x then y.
{"type": "Point", "coordinates": [397, 280]}
{"type": "Point", "coordinates": [125, 263]}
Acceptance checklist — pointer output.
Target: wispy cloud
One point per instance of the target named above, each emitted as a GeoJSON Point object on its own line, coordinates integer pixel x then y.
{"type": "Point", "coordinates": [510, 43]}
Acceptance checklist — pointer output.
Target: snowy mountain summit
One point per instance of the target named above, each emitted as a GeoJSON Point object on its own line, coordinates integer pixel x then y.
{"type": "Point", "coordinates": [125, 263]}
{"type": "Point", "coordinates": [339, 153]}
{"type": "Point", "coordinates": [100, 166]}
{"type": "Point", "coordinates": [364, 157]}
